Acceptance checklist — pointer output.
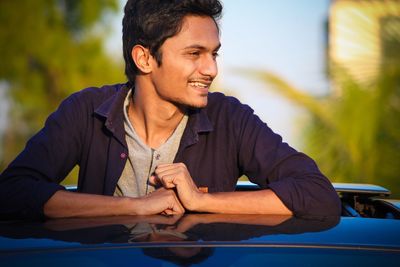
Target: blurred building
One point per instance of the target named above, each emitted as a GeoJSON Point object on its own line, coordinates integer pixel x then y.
{"type": "Point", "coordinates": [364, 35]}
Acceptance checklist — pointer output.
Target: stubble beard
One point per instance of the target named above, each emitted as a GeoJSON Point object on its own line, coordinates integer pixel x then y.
{"type": "Point", "coordinates": [186, 105]}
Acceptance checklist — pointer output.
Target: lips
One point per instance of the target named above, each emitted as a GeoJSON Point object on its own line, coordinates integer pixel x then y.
{"type": "Point", "coordinates": [200, 84]}
{"type": "Point", "coordinates": [200, 87]}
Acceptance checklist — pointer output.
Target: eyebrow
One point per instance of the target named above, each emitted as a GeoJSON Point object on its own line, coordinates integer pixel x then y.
{"type": "Point", "coordinates": [196, 46]}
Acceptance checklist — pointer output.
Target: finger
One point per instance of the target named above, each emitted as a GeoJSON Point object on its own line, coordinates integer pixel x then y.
{"type": "Point", "coordinates": [175, 173]}
{"type": "Point", "coordinates": [175, 205]}
{"type": "Point", "coordinates": [161, 172]}
{"type": "Point", "coordinates": [178, 211]}
{"type": "Point", "coordinates": [179, 207]}
{"type": "Point", "coordinates": [167, 179]}
{"type": "Point", "coordinates": [167, 212]}
{"type": "Point", "coordinates": [170, 166]}
{"type": "Point", "coordinates": [165, 165]}
{"type": "Point", "coordinates": [153, 180]}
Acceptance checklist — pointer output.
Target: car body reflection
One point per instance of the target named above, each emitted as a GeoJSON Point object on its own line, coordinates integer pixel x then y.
{"type": "Point", "coordinates": [200, 239]}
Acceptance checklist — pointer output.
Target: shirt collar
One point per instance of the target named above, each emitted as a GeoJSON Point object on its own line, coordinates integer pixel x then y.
{"type": "Point", "coordinates": [112, 110]}
{"type": "Point", "coordinates": [198, 123]}
{"type": "Point", "coordinates": [110, 107]}
{"type": "Point", "coordinates": [199, 120]}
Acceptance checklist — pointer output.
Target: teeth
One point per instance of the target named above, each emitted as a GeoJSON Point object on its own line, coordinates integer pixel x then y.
{"type": "Point", "coordinates": [199, 84]}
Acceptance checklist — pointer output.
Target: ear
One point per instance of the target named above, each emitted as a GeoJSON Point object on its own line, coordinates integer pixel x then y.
{"type": "Point", "coordinates": [141, 56]}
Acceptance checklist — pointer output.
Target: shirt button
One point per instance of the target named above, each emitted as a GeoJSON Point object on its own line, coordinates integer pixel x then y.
{"type": "Point", "coordinates": [122, 155]}
{"type": "Point", "coordinates": [158, 156]}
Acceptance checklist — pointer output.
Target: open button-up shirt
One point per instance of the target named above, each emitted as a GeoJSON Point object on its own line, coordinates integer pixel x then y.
{"type": "Point", "coordinates": [220, 143]}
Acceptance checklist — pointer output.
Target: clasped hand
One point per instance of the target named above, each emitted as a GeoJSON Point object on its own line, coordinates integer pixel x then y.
{"type": "Point", "coordinates": [177, 190]}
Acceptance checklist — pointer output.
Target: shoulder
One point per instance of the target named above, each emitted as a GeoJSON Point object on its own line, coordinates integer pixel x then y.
{"type": "Point", "coordinates": [92, 97]}
{"type": "Point", "coordinates": [218, 102]}
{"type": "Point", "coordinates": [227, 112]}
{"type": "Point", "coordinates": [83, 103]}
{"type": "Point", "coordinates": [95, 94]}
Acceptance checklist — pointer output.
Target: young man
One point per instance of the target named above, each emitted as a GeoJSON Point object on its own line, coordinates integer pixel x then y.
{"type": "Point", "coordinates": [162, 143]}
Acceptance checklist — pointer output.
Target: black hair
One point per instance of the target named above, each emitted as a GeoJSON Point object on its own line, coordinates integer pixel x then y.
{"type": "Point", "coordinates": [150, 22]}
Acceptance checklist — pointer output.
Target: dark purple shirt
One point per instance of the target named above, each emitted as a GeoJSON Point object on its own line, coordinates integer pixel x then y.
{"type": "Point", "coordinates": [221, 142]}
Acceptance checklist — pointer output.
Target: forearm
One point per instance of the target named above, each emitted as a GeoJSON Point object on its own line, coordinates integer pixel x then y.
{"type": "Point", "coordinates": [68, 204]}
{"type": "Point", "coordinates": [254, 202]}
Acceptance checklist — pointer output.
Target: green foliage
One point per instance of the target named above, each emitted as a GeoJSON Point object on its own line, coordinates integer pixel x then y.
{"type": "Point", "coordinates": [354, 135]}
{"type": "Point", "coordinates": [49, 49]}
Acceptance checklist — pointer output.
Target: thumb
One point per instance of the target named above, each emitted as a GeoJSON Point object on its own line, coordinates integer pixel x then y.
{"type": "Point", "coordinates": [153, 180]}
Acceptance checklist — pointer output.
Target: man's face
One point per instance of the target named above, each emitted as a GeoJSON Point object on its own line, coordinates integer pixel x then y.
{"type": "Point", "coordinates": [188, 63]}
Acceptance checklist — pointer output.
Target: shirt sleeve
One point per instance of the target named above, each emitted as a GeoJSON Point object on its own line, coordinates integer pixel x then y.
{"type": "Point", "coordinates": [293, 176]}
{"type": "Point", "coordinates": [34, 176]}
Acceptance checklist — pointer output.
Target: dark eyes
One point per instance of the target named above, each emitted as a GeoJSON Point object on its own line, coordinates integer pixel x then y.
{"type": "Point", "coordinates": [197, 54]}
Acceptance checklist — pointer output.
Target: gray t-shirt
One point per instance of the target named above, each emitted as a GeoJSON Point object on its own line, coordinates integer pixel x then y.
{"type": "Point", "coordinates": [142, 160]}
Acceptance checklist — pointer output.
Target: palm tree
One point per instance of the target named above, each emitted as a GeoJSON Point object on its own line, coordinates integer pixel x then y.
{"type": "Point", "coordinates": [354, 136]}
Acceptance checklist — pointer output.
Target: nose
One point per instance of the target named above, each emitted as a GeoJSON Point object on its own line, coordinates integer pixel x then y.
{"type": "Point", "coordinates": [209, 66]}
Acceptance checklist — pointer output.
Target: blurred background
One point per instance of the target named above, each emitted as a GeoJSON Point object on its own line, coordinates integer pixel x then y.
{"type": "Point", "coordinates": [323, 74]}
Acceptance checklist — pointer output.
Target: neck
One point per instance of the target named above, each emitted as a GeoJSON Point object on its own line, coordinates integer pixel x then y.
{"type": "Point", "coordinates": [154, 119]}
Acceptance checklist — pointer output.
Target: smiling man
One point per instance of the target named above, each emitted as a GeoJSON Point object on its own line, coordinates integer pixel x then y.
{"type": "Point", "coordinates": [161, 143]}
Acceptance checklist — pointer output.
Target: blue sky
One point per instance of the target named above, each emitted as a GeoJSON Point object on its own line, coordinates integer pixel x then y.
{"type": "Point", "coordinates": [283, 36]}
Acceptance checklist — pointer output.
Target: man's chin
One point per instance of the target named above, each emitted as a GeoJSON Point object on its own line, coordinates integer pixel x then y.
{"type": "Point", "coordinates": [193, 104]}
{"type": "Point", "coordinates": [198, 105]}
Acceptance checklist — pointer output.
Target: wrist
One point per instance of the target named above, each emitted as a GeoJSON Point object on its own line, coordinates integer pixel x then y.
{"type": "Point", "coordinates": [200, 202]}
{"type": "Point", "coordinates": [132, 206]}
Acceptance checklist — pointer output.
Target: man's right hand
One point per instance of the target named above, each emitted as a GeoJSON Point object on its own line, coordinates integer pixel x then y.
{"type": "Point", "coordinates": [163, 201]}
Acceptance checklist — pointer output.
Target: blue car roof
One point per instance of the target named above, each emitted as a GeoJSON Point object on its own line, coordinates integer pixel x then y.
{"type": "Point", "coordinates": [202, 240]}
{"type": "Point", "coordinates": [345, 232]}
